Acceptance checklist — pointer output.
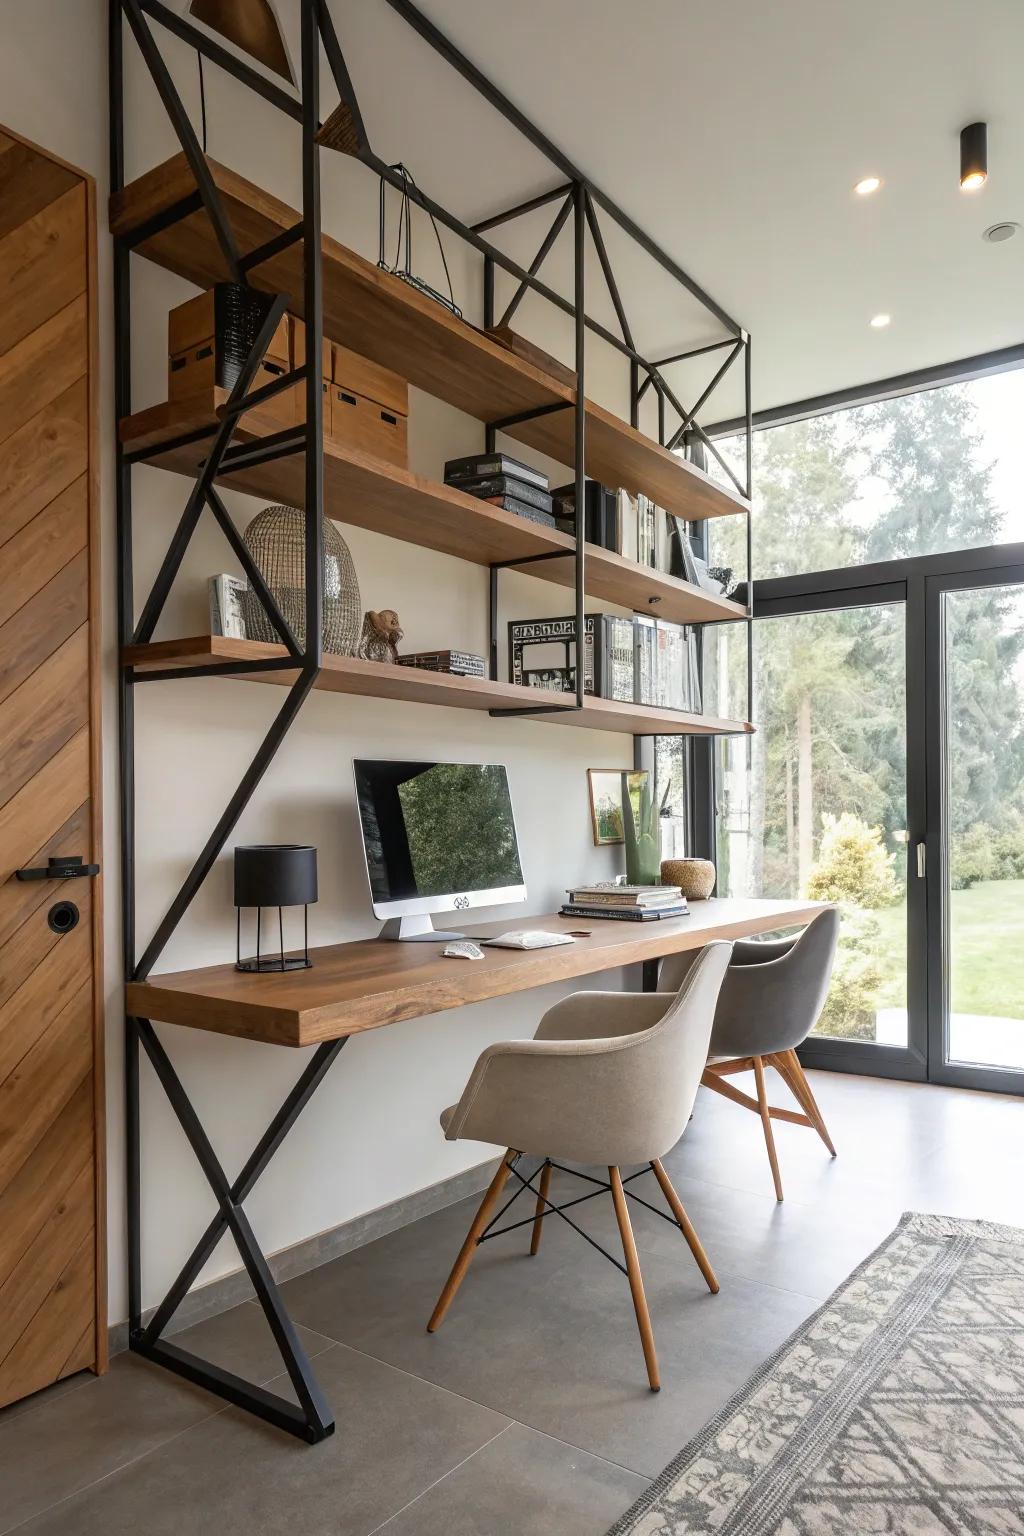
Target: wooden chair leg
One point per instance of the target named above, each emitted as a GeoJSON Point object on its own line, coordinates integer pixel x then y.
{"type": "Point", "coordinates": [686, 1226]}
{"type": "Point", "coordinates": [766, 1122]}
{"type": "Point", "coordinates": [636, 1284]}
{"type": "Point", "coordinates": [797, 1079]}
{"type": "Point", "coordinates": [538, 1220]}
{"type": "Point", "coordinates": [468, 1248]}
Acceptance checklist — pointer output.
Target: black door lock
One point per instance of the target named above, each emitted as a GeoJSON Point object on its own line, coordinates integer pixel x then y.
{"type": "Point", "coordinates": [64, 868]}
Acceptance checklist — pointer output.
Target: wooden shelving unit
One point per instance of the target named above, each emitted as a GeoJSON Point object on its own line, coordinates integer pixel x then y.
{"type": "Point", "coordinates": [374, 680]}
{"type": "Point", "coordinates": [370, 493]}
{"type": "Point", "coordinates": [389, 321]}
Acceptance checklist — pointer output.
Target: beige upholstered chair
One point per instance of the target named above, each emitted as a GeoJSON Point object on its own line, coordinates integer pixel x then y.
{"type": "Point", "coordinates": [770, 1001]}
{"type": "Point", "coordinates": [609, 1079]}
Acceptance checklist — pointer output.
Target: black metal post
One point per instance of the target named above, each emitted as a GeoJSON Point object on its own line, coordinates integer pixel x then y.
{"type": "Point", "coordinates": [314, 315]}
{"type": "Point", "coordinates": [580, 427]}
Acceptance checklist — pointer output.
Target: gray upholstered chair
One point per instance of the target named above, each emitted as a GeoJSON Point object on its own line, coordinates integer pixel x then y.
{"type": "Point", "coordinates": [609, 1079]}
{"type": "Point", "coordinates": [770, 1001]}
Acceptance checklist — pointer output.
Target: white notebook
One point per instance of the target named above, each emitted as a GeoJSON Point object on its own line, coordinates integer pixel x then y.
{"type": "Point", "coordinates": [528, 938]}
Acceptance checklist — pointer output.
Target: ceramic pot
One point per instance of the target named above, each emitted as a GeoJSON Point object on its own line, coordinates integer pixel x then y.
{"type": "Point", "coordinates": [695, 877]}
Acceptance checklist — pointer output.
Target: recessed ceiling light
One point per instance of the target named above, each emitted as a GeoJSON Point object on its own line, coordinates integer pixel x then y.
{"type": "Point", "coordinates": [868, 185]}
{"type": "Point", "coordinates": [880, 321]}
{"type": "Point", "coordinates": [998, 232]}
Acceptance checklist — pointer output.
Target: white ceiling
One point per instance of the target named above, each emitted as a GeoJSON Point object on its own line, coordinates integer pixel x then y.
{"type": "Point", "coordinates": [733, 133]}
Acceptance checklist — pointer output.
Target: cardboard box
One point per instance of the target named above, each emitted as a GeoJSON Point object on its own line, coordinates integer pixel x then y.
{"type": "Point", "coordinates": [208, 340]}
{"type": "Point", "coordinates": [369, 426]}
{"type": "Point", "coordinates": [364, 377]}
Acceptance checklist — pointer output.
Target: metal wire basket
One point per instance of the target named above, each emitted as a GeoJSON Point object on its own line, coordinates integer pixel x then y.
{"type": "Point", "coordinates": [276, 539]}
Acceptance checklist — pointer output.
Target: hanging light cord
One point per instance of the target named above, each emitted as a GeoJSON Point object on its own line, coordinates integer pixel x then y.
{"type": "Point", "coordinates": [405, 221]}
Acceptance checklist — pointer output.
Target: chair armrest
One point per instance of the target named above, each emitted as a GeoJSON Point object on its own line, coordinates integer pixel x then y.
{"type": "Point", "coordinates": [599, 1015]}
{"type": "Point", "coordinates": [548, 1096]}
{"type": "Point", "coordinates": [761, 951]}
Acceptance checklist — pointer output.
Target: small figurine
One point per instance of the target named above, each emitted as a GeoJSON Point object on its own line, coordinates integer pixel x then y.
{"type": "Point", "coordinates": [381, 634]}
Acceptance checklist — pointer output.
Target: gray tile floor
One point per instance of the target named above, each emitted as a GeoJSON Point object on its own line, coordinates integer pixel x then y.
{"type": "Point", "coordinates": [528, 1412]}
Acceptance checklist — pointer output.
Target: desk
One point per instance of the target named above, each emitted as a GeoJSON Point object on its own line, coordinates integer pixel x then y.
{"type": "Point", "coordinates": [352, 988]}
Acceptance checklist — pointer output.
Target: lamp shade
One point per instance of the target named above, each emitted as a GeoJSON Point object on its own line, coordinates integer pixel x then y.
{"type": "Point", "coordinates": [252, 26]}
{"type": "Point", "coordinates": [275, 875]}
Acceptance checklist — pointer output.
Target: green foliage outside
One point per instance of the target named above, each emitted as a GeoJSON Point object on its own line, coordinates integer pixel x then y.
{"type": "Point", "coordinates": [817, 805]}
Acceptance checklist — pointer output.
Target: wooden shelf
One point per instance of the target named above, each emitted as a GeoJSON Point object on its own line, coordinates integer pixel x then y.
{"type": "Point", "coordinates": [369, 679]}
{"type": "Point", "coordinates": [370, 493]}
{"type": "Point", "coordinates": [371, 982]}
{"type": "Point", "coordinates": [389, 321]}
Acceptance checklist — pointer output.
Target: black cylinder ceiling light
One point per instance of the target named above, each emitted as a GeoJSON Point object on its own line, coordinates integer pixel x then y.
{"type": "Point", "coordinates": [973, 156]}
{"type": "Point", "coordinates": [274, 875]}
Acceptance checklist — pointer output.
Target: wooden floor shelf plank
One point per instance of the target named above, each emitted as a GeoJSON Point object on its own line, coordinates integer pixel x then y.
{"type": "Point", "coordinates": [370, 679]}
{"type": "Point", "coordinates": [370, 493]}
{"type": "Point", "coordinates": [391, 322]}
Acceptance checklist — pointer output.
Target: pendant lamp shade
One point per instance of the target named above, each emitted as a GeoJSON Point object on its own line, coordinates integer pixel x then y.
{"type": "Point", "coordinates": [252, 26]}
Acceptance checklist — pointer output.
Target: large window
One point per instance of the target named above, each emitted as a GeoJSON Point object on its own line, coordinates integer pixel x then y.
{"type": "Point", "coordinates": [815, 803]}
{"type": "Point", "coordinates": [921, 475]}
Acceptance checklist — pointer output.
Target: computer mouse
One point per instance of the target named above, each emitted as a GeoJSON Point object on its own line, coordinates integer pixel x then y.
{"type": "Point", "coordinates": [462, 949]}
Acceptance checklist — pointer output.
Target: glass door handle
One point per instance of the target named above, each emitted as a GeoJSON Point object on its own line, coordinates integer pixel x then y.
{"type": "Point", "coordinates": [922, 860]}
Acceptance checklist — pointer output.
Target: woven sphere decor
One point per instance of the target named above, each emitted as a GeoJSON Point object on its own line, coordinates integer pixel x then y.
{"type": "Point", "coordinates": [276, 539]}
{"type": "Point", "coordinates": [694, 877]}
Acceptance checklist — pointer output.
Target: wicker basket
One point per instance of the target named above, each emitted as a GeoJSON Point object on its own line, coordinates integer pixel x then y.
{"type": "Point", "coordinates": [276, 539]}
{"type": "Point", "coordinates": [695, 877]}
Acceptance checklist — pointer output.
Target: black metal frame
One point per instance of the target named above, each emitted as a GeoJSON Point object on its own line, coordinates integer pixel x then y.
{"type": "Point", "coordinates": [578, 196]}
{"type": "Point", "coordinates": [602, 1187]}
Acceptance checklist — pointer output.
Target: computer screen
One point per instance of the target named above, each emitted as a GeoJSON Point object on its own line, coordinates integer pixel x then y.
{"type": "Point", "coordinates": [437, 835]}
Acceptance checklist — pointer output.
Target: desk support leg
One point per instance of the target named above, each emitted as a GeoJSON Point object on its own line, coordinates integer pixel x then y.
{"type": "Point", "coordinates": [650, 975]}
{"type": "Point", "coordinates": [312, 1420]}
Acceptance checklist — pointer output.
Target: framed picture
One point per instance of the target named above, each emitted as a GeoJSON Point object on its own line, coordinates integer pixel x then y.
{"type": "Point", "coordinates": [606, 802]}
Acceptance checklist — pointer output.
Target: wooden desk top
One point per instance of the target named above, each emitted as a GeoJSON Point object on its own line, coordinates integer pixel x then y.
{"type": "Point", "coordinates": [363, 985]}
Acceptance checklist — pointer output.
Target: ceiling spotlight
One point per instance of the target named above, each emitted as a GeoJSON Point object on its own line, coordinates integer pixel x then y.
{"type": "Point", "coordinates": [868, 185]}
{"type": "Point", "coordinates": [879, 322]}
{"type": "Point", "coordinates": [973, 157]}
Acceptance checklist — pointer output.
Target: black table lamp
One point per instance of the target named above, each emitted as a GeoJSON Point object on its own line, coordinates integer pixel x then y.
{"type": "Point", "coordinates": [274, 875]}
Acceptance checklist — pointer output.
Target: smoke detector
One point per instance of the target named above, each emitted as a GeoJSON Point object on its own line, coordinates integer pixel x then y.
{"type": "Point", "coordinates": [996, 233]}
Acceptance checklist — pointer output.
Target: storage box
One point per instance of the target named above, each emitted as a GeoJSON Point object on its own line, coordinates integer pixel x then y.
{"type": "Point", "coordinates": [368, 405]}
{"type": "Point", "coordinates": [364, 424]}
{"type": "Point", "coordinates": [210, 337]}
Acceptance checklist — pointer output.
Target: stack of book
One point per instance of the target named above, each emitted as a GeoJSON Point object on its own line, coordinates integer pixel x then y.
{"type": "Point", "coordinates": [503, 482]}
{"type": "Point", "coordinates": [631, 903]}
{"type": "Point", "coordinates": [458, 663]}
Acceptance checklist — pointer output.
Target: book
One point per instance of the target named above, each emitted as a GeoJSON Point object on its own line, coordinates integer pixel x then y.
{"type": "Point", "coordinates": [623, 892]}
{"type": "Point", "coordinates": [628, 524]}
{"type": "Point", "coordinates": [478, 465]}
{"type": "Point", "coordinates": [521, 509]}
{"type": "Point", "coordinates": [608, 899]}
{"type": "Point", "coordinates": [458, 663]}
{"type": "Point", "coordinates": [488, 486]}
{"type": "Point", "coordinates": [601, 513]}
{"type": "Point", "coordinates": [682, 562]}
{"type": "Point", "coordinates": [623, 914]}
{"type": "Point", "coordinates": [226, 616]}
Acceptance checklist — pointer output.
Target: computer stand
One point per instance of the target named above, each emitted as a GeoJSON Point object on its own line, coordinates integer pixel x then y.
{"type": "Point", "coordinates": [416, 930]}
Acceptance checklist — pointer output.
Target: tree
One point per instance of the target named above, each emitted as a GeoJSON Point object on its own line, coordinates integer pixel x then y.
{"type": "Point", "coordinates": [853, 865]}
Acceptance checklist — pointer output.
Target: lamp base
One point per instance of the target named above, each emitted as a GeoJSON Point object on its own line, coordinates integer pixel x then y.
{"type": "Point", "coordinates": [270, 963]}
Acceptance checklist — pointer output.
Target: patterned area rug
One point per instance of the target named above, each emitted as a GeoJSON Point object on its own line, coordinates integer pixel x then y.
{"type": "Point", "coordinates": [896, 1410]}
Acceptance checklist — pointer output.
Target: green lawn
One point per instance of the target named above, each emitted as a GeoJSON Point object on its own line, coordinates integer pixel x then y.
{"type": "Point", "coordinates": [987, 935]}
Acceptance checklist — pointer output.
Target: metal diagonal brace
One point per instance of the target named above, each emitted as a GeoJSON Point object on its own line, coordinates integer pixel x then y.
{"type": "Point", "coordinates": [211, 468]}
{"type": "Point", "coordinates": [312, 1420]}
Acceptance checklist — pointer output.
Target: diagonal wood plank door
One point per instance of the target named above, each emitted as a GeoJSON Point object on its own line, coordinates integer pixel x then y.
{"type": "Point", "coordinates": [52, 1312]}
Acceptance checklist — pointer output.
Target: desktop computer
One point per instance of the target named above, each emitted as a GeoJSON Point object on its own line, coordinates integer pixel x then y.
{"type": "Point", "coordinates": [438, 837]}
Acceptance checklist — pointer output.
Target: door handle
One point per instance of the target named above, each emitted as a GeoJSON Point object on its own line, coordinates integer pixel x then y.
{"type": "Point", "coordinates": [69, 867]}
{"type": "Point", "coordinates": [922, 860]}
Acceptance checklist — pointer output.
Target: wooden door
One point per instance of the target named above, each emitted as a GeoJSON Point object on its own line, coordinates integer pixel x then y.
{"type": "Point", "coordinates": [52, 1273]}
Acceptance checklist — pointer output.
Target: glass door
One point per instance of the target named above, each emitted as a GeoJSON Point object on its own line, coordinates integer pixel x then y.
{"type": "Point", "coordinates": [815, 804]}
{"type": "Point", "coordinates": [972, 860]}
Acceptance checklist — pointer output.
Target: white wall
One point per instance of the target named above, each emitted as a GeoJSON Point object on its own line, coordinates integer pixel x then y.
{"type": "Point", "coordinates": [370, 1134]}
